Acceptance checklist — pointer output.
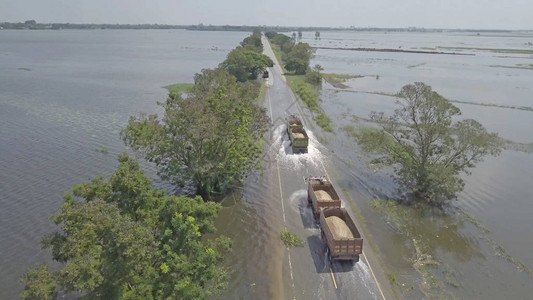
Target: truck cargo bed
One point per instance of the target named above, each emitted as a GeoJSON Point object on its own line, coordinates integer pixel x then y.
{"type": "Point", "coordinates": [297, 134]}
{"type": "Point", "coordinates": [321, 194]}
{"type": "Point", "coordinates": [340, 234]}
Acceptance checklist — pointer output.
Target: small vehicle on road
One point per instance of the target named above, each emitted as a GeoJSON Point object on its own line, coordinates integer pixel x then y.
{"type": "Point", "coordinates": [265, 74]}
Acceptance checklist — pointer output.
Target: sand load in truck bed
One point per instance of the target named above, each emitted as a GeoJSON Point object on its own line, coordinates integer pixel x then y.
{"type": "Point", "coordinates": [323, 196]}
{"type": "Point", "coordinates": [339, 228]}
{"type": "Point", "coordinates": [298, 135]}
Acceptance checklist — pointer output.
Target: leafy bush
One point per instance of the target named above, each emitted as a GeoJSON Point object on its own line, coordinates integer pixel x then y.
{"type": "Point", "coordinates": [291, 240]}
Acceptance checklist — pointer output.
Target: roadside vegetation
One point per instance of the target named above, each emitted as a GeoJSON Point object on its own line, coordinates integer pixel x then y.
{"type": "Point", "coordinates": [291, 240]}
{"type": "Point", "coordinates": [122, 239]}
{"type": "Point", "coordinates": [303, 80]}
{"type": "Point", "coordinates": [517, 66]}
{"type": "Point", "coordinates": [309, 94]}
{"type": "Point", "coordinates": [179, 88]}
{"type": "Point", "coordinates": [495, 50]}
{"type": "Point", "coordinates": [247, 62]}
{"type": "Point", "coordinates": [407, 220]}
{"type": "Point", "coordinates": [337, 80]}
{"type": "Point", "coordinates": [209, 137]}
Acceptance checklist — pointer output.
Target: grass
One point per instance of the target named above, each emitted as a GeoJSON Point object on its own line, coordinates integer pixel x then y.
{"type": "Point", "coordinates": [496, 50]}
{"type": "Point", "coordinates": [475, 221]}
{"type": "Point", "coordinates": [518, 66]}
{"type": "Point", "coordinates": [416, 65]}
{"type": "Point", "coordinates": [307, 92]}
{"type": "Point", "coordinates": [337, 80]}
{"type": "Point", "coordinates": [262, 92]}
{"type": "Point", "coordinates": [450, 277]}
{"type": "Point", "coordinates": [350, 130]}
{"type": "Point", "coordinates": [179, 88]}
{"type": "Point", "coordinates": [526, 108]}
{"type": "Point", "coordinates": [103, 150]}
{"type": "Point", "coordinates": [309, 95]}
{"type": "Point", "coordinates": [291, 240]}
{"type": "Point", "coordinates": [392, 278]}
{"type": "Point", "coordinates": [279, 55]}
{"type": "Point", "coordinates": [498, 249]}
{"type": "Point", "coordinates": [403, 219]}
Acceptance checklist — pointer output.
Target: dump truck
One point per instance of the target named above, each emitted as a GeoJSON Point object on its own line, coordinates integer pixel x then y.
{"type": "Point", "coordinates": [297, 134]}
{"type": "Point", "coordinates": [340, 234]}
{"type": "Point", "coordinates": [321, 194]}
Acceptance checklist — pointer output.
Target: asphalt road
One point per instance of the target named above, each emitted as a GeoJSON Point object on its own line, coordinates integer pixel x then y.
{"type": "Point", "coordinates": [306, 272]}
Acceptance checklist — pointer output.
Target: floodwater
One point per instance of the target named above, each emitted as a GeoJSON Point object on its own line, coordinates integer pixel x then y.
{"type": "Point", "coordinates": [499, 191]}
{"type": "Point", "coordinates": [66, 94]}
{"type": "Point", "coordinates": [63, 96]}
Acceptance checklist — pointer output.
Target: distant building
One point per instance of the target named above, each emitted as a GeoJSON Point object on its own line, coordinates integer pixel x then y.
{"type": "Point", "coordinates": [30, 23]}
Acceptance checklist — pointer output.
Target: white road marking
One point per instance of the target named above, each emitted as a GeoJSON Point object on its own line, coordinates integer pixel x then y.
{"type": "Point", "coordinates": [283, 207]}
{"type": "Point", "coordinates": [322, 164]}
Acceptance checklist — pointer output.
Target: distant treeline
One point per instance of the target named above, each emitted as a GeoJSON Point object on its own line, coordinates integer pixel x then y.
{"type": "Point", "coordinates": [201, 27]}
{"type": "Point", "coordinates": [57, 26]}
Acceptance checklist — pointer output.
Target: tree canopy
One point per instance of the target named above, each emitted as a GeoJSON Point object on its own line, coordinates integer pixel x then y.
{"type": "Point", "coordinates": [253, 42]}
{"type": "Point", "coordinates": [246, 64]}
{"type": "Point", "coordinates": [295, 55]}
{"type": "Point", "coordinates": [296, 65]}
{"type": "Point", "coordinates": [121, 239]}
{"type": "Point", "coordinates": [426, 147]}
{"type": "Point", "coordinates": [210, 138]}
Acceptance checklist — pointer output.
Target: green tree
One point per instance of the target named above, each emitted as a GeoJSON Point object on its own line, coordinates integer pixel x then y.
{"type": "Point", "coordinates": [151, 248]}
{"type": "Point", "coordinates": [270, 34]}
{"type": "Point", "coordinates": [39, 284]}
{"type": "Point", "coordinates": [253, 42]}
{"type": "Point", "coordinates": [210, 139]}
{"type": "Point", "coordinates": [427, 149]}
{"type": "Point", "coordinates": [313, 76]}
{"type": "Point", "coordinates": [284, 42]}
{"type": "Point", "coordinates": [296, 65]}
{"type": "Point", "coordinates": [301, 51]}
{"type": "Point", "coordinates": [246, 64]}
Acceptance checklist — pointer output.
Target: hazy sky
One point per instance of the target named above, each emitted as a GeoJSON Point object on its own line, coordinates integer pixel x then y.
{"type": "Point", "coordinates": [479, 14]}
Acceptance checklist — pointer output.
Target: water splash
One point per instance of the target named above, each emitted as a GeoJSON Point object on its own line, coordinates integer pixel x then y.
{"type": "Point", "coordinates": [288, 160]}
{"type": "Point", "coordinates": [298, 199]}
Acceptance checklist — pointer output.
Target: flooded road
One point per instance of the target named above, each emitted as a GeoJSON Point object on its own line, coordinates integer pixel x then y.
{"type": "Point", "coordinates": [470, 262]}
{"type": "Point", "coordinates": [275, 199]}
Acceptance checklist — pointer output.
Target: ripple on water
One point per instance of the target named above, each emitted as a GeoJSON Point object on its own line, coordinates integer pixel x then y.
{"type": "Point", "coordinates": [251, 222]}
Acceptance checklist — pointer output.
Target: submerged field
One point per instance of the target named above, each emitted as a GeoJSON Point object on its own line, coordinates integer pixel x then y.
{"type": "Point", "coordinates": [479, 240]}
